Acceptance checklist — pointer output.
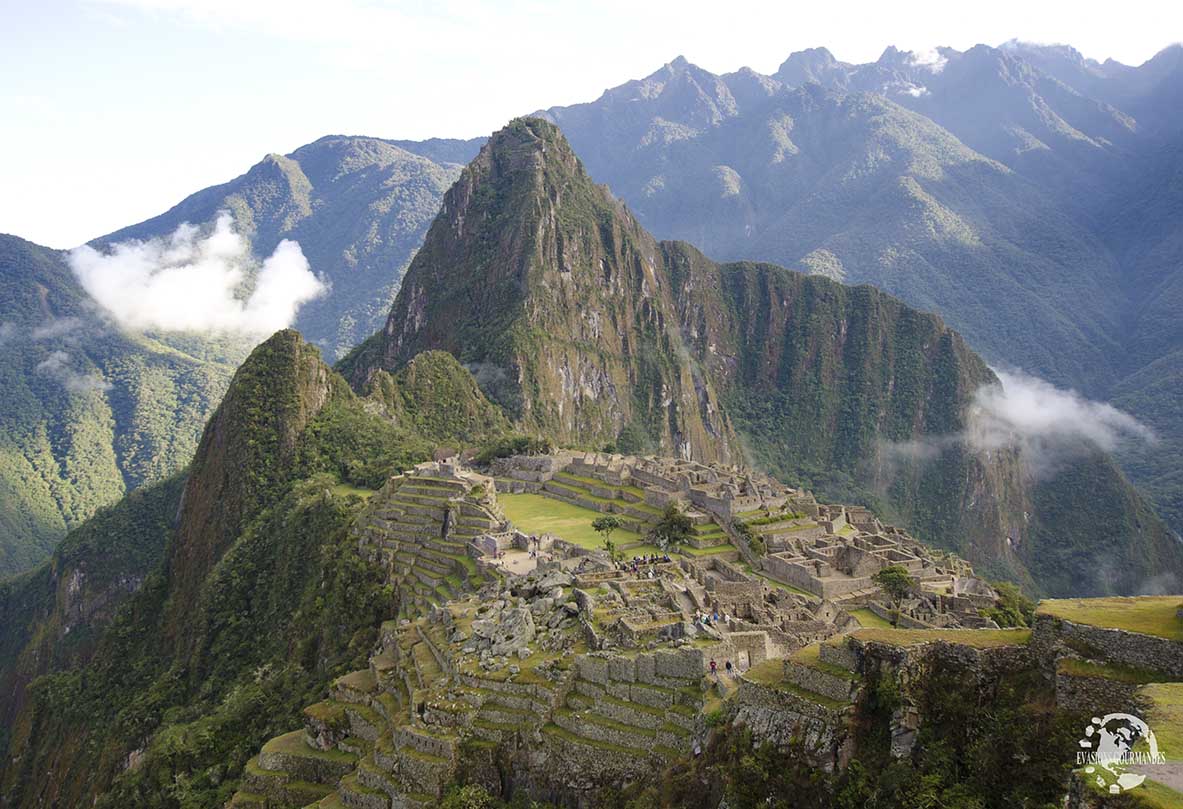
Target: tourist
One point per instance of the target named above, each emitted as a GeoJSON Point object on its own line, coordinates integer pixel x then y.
{"type": "Point", "coordinates": [727, 666]}
{"type": "Point", "coordinates": [714, 669]}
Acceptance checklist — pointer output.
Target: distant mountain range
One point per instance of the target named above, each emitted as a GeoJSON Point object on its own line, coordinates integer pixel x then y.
{"type": "Point", "coordinates": [1030, 197]}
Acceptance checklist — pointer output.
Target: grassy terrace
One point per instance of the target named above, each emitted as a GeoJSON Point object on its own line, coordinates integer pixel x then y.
{"type": "Point", "coordinates": [536, 514]}
{"type": "Point", "coordinates": [1108, 671]}
{"type": "Point", "coordinates": [294, 744]}
{"type": "Point", "coordinates": [1153, 795]}
{"type": "Point", "coordinates": [771, 673]}
{"type": "Point", "coordinates": [870, 620]}
{"type": "Point", "coordinates": [811, 656]}
{"type": "Point", "coordinates": [1165, 715]}
{"type": "Point", "coordinates": [1149, 615]}
{"type": "Point", "coordinates": [976, 638]}
{"type": "Point", "coordinates": [344, 490]}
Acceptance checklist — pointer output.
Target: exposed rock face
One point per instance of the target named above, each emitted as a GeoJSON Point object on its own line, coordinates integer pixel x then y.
{"type": "Point", "coordinates": [549, 290]}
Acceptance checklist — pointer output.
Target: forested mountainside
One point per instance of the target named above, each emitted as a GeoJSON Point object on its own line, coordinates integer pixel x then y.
{"type": "Point", "coordinates": [1030, 196]}
{"type": "Point", "coordinates": [251, 597]}
{"type": "Point", "coordinates": [87, 412]}
{"type": "Point", "coordinates": [590, 332]}
{"type": "Point", "coordinates": [92, 410]}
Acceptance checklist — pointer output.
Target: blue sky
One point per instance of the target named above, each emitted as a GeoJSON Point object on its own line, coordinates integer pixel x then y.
{"type": "Point", "coordinates": [114, 110]}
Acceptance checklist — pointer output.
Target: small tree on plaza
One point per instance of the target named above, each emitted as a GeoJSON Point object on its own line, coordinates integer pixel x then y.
{"type": "Point", "coordinates": [604, 526]}
{"type": "Point", "coordinates": [896, 582]}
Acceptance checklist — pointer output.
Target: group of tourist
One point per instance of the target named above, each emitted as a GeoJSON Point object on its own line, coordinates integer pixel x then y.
{"type": "Point", "coordinates": [711, 618]}
{"type": "Point", "coordinates": [635, 564]}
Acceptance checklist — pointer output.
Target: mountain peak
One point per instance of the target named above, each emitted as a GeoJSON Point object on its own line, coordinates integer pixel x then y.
{"type": "Point", "coordinates": [548, 290]}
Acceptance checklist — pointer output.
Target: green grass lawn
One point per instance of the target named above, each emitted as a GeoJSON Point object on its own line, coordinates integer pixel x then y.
{"type": "Point", "coordinates": [977, 638]}
{"type": "Point", "coordinates": [870, 620]}
{"type": "Point", "coordinates": [1165, 717]}
{"type": "Point", "coordinates": [345, 489]}
{"type": "Point", "coordinates": [536, 514]}
{"type": "Point", "coordinates": [1108, 671]}
{"type": "Point", "coordinates": [1149, 615]}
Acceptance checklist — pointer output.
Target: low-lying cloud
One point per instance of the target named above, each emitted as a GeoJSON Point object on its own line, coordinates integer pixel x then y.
{"type": "Point", "coordinates": [1050, 426]}
{"type": "Point", "coordinates": [931, 60]}
{"type": "Point", "coordinates": [194, 282]}
{"type": "Point", "coordinates": [57, 366]}
{"type": "Point", "coordinates": [1035, 410]}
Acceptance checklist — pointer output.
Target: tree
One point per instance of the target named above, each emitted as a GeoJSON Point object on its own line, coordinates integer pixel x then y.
{"type": "Point", "coordinates": [605, 526]}
{"type": "Point", "coordinates": [896, 582]}
{"type": "Point", "coordinates": [673, 528]}
{"type": "Point", "coordinates": [1012, 608]}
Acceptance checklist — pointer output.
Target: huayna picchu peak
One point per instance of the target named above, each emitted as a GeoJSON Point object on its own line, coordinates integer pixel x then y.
{"type": "Point", "coordinates": [548, 290]}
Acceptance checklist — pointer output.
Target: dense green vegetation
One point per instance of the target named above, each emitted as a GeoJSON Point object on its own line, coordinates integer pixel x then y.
{"type": "Point", "coordinates": [86, 413]}
{"type": "Point", "coordinates": [842, 390]}
{"type": "Point", "coordinates": [258, 600]}
{"type": "Point", "coordinates": [963, 759]}
{"type": "Point", "coordinates": [1027, 195]}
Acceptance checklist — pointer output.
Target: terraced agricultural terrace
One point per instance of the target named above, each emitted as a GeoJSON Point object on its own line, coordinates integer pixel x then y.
{"type": "Point", "coordinates": [520, 643]}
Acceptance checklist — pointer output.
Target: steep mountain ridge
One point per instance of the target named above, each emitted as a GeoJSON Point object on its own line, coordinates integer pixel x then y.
{"type": "Point", "coordinates": [1025, 193]}
{"type": "Point", "coordinates": [551, 293]}
{"type": "Point", "coordinates": [357, 206]}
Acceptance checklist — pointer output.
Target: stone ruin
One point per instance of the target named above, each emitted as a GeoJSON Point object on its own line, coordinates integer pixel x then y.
{"type": "Point", "coordinates": [827, 551]}
{"type": "Point", "coordinates": [577, 670]}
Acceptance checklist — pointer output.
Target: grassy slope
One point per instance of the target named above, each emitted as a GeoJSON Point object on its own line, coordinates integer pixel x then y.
{"type": "Point", "coordinates": [1150, 615]}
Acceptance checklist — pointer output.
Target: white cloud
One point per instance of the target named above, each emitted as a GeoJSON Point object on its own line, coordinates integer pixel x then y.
{"type": "Point", "coordinates": [190, 282]}
{"type": "Point", "coordinates": [7, 332]}
{"type": "Point", "coordinates": [59, 327]}
{"type": "Point", "coordinates": [57, 366]}
{"type": "Point", "coordinates": [1050, 426]}
{"type": "Point", "coordinates": [930, 59]}
{"type": "Point", "coordinates": [1037, 411]}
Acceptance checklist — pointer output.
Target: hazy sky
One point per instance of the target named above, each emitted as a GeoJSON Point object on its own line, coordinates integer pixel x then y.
{"type": "Point", "coordinates": [113, 110]}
